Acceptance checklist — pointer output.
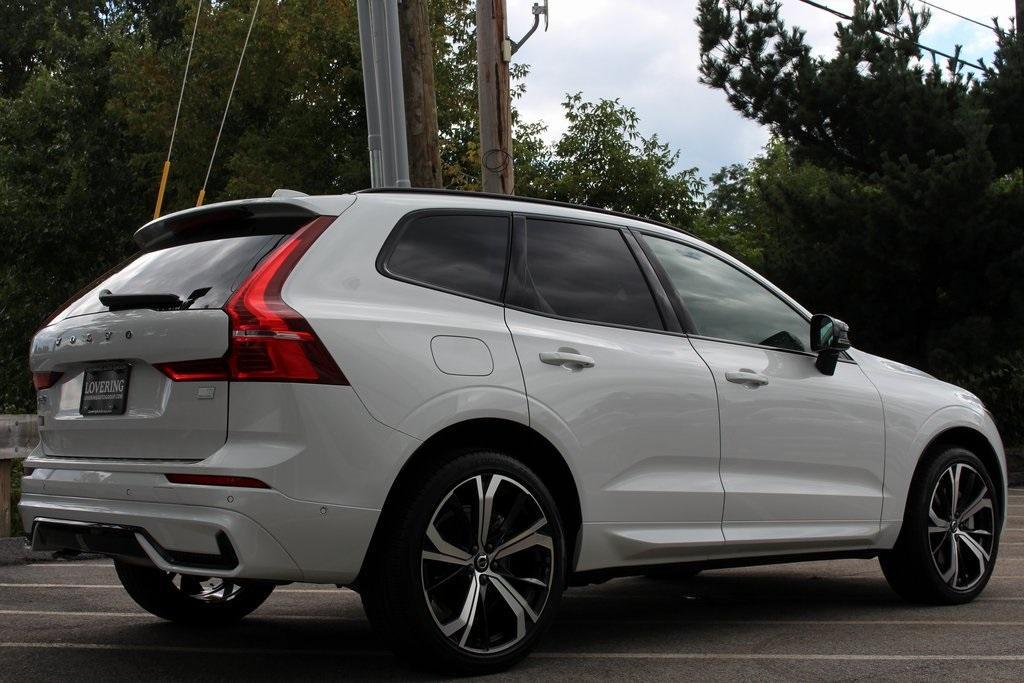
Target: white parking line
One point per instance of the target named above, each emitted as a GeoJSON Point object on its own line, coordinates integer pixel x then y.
{"type": "Point", "coordinates": [701, 656]}
{"type": "Point", "coordinates": [747, 656]}
{"type": "Point", "coordinates": [682, 622]}
{"type": "Point", "coordinates": [146, 615]}
{"type": "Point", "coordinates": [117, 585]}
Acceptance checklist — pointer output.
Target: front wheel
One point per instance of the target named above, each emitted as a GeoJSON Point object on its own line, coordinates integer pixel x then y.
{"type": "Point", "coordinates": [191, 599]}
{"type": "Point", "coordinates": [947, 548]}
{"type": "Point", "coordinates": [468, 572]}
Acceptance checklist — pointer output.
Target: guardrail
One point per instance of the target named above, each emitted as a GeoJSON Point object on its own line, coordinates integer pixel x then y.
{"type": "Point", "coordinates": [19, 434]}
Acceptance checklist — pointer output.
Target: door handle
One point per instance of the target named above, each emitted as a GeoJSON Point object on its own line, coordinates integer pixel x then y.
{"type": "Point", "coordinates": [748, 377]}
{"type": "Point", "coordinates": [570, 360]}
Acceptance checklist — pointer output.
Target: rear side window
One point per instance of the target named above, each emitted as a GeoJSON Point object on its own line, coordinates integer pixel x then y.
{"type": "Point", "coordinates": [464, 254]}
{"type": "Point", "coordinates": [584, 272]}
{"type": "Point", "coordinates": [204, 271]}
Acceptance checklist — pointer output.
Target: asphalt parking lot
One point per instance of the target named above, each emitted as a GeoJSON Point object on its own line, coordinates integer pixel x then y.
{"type": "Point", "coordinates": [811, 621]}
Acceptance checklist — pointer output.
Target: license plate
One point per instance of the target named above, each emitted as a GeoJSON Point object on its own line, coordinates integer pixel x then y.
{"type": "Point", "coordinates": [105, 390]}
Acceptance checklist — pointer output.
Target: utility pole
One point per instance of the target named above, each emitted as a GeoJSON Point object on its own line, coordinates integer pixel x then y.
{"type": "Point", "coordinates": [420, 94]}
{"type": "Point", "coordinates": [1020, 17]}
{"type": "Point", "coordinates": [494, 52]}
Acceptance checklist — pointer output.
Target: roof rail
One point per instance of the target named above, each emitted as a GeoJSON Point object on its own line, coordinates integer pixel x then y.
{"type": "Point", "coordinates": [516, 198]}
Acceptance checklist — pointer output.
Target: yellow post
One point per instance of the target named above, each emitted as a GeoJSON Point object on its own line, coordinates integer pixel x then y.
{"type": "Point", "coordinates": [163, 186]}
{"type": "Point", "coordinates": [202, 196]}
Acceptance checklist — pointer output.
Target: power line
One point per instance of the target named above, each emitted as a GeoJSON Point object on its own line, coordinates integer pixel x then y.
{"type": "Point", "coordinates": [947, 11]}
{"type": "Point", "coordinates": [932, 50]}
{"type": "Point", "coordinates": [220, 131]}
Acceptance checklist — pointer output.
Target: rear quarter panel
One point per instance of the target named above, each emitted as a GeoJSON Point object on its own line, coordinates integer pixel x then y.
{"type": "Point", "coordinates": [382, 331]}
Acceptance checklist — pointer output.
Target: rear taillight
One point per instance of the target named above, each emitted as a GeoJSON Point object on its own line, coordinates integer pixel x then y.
{"type": "Point", "coordinates": [45, 380]}
{"type": "Point", "coordinates": [196, 370]}
{"type": "Point", "coordinates": [270, 341]}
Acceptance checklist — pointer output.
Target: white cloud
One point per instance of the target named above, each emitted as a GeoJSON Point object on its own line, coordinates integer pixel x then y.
{"type": "Point", "coordinates": [644, 52]}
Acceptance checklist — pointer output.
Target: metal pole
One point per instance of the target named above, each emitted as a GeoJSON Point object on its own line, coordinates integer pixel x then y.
{"type": "Point", "coordinates": [382, 75]}
{"type": "Point", "coordinates": [373, 138]}
{"type": "Point", "coordinates": [397, 92]}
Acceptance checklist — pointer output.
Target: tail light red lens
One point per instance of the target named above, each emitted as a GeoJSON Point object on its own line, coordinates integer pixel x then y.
{"type": "Point", "coordinates": [45, 380]}
{"type": "Point", "coordinates": [216, 480]}
{"type": "Point", "coordinates": [206, 370]}
{"type": "Point", "coordinates": [270, 341]}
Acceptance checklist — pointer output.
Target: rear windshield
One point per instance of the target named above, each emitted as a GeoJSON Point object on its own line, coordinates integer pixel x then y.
{"type": "Point", "coordinates": [217, 265]}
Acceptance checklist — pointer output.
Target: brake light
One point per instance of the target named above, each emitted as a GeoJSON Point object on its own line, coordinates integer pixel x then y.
{"type": "Point", "coordinates": [270, 341]}
{"type": "Point", "coordinates": [45, 380]}
{"type": "Point", "coordinates": [216, 480]}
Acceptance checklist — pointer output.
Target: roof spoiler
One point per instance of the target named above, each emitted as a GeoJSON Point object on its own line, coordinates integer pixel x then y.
{"type": "Point", "coordinates": [206, 222]}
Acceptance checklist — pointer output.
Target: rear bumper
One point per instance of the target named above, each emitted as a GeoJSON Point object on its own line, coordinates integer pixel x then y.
{"type": "Point", "coordinates": [253, 534]}
{"type": "Point", "coordinates": [328, 463]}
{"type": "Point", "coordinates": [129, 544]}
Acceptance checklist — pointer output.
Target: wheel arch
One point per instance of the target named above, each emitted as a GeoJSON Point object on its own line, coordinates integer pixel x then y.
{"type": "Point", "coordinates": [518, 441]}
{"type": "Point", "coordinates": [975, 441]}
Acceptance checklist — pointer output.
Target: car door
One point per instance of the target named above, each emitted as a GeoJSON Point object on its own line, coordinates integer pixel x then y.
{"type": "Point", "coordinates": [629, 401]}
{"type": "Point", "coordinates": [802, 452]}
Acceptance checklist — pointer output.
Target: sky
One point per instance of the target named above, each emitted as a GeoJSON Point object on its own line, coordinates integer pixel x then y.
{"type": "Point", "coordinates": [644, 52]}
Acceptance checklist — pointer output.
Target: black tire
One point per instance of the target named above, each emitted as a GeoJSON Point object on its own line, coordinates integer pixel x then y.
{"type": "Point", "coordinates": [394, 583]}
{"type": "Point", "coordinates": [911, 567]}
{"type": "Point", "coordinates": [178, 598]}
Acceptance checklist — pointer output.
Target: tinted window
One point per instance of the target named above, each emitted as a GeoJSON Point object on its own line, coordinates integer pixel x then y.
{"type": "Point", "coordinates": [464, 254]}
{"type": "Point", "coordinates": [184, 270]}
{"type": "Point", "coordinates": [583, 272]}
{"type": "Point", "coordinates": [726, 303]}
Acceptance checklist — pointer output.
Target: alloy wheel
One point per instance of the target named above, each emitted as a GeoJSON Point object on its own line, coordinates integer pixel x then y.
{"type": "Point", "coordinates": [205, 589]}
{"type": "Point", "coordinates": [962, 526]}
{"type": "Point", "coordinates": [487, 563]}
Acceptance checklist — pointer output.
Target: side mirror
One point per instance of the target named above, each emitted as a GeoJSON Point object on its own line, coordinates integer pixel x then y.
{"type": "Point", "coordinates": [829, 337]}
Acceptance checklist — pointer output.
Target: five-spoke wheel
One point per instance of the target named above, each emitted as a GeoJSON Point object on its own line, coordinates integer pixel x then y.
{"type": "Point", "coordinates": [950, 536]}
{"type": "Point", "coordinates": [467, 572]}
{"type": "Point", "coordinates": [487, 563]}
{"type": "Point", "coordinates": [191, 599]}
{"type": "Point", "coordinates": [962, 526]}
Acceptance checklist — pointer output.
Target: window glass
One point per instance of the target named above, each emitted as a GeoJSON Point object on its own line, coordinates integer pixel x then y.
{"type": "Point", "coordinates": [464, 254]}
{"type": "Point", "coordinates": [725, 303]}
{"type": "Point", "coordinates": [582, 272]}
{"type": "Point", "coordinates": [204, 271]}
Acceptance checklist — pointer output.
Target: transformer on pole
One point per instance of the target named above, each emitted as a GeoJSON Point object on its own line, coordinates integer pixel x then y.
{"type": "Point", "coordinates": [381, 51]}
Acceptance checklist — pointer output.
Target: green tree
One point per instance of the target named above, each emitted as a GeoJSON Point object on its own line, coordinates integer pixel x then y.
{"type": "Point", "coordinates": [603, 160]}
{"type": "Point", "coordinates": [895, 202]}
{"type": "Point", "coordinates": [86, 105]}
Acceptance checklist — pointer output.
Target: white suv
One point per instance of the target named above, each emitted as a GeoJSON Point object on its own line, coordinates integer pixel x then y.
{"type": "Point", "coordinates": [459, 405]}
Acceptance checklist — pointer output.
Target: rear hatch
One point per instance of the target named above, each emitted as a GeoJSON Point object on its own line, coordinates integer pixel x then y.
{"type": "Point", "coordinates": [102, 394]}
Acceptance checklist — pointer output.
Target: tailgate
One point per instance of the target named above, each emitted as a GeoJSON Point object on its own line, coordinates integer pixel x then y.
{"type": "Point", "coordinates": [161, 419]}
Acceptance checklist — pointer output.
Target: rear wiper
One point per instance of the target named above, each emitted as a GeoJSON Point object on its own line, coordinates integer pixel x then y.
{"type": "Point", "coordinates": [124, 302]}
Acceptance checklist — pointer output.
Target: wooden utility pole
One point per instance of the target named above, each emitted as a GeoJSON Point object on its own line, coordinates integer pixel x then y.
{"type": "Point", "coordinates": [420, 97]}
{"type": "Point", "coordinates": [493, 55]}
{"type": "Point", "coordinates": [1020, 18]}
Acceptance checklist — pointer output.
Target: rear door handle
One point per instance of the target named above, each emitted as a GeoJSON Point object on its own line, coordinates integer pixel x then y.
{"type": "Point", "coordinates": [748, 377]}
{"type": "Point", "coordinates": [569, 360]}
